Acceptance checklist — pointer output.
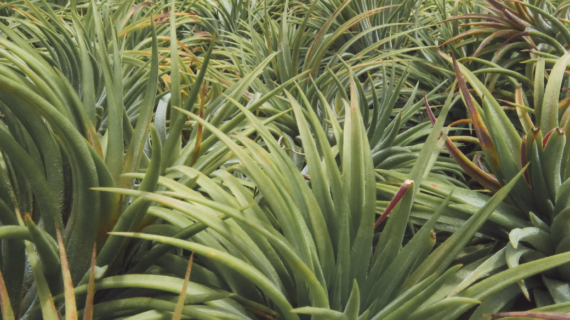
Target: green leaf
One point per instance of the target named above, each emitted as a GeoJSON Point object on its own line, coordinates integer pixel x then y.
{"type": "Point", "coordinates": [390, 240]}
{"type": "Point", "coordinates": [70, 305]}
{"type": "Point", "coordinates": [325, 313]}
{"type": "Point", "coordinates": [7, 312]}
{"type": "Point", "coordinates": [497, 282]}
{"type": "Point", "coordinates": [134, 152]}
{"type": "Point", "coordinates": [170, 151]}
{"type": "Point", "coordinates": [46, 301]}
{"type": "Point", "coordinates": [390, 283]}
{"type": "Point", "coordinates": [446, 252]}
{"type": "Point", "coordinates": [47, 251]}
{"type": "Point", "coordinates": [131, 218]}
{"type": "Point", "coordinates": [549, 110]}
{"type": "Point", "coordinates": [538, 93]}
{"type": "Point", "coordinates": [175, 97]}
{"type": "Point", "coordinates": [493, 110]}
{"type": "Point", "coordinates": [114, 152]}
{"type": "Point", "coordinates": [413, 304]}
{"type": "Point", "coordinates": [237, 264]}
{"type": "Point", "coordinates": [353, 306]}
{"type": "Point", "coordinates": [47, 202]}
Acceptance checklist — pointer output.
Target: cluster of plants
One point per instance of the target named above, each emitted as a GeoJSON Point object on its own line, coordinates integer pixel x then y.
{"type": "Point", "coordinates": [297, 159]}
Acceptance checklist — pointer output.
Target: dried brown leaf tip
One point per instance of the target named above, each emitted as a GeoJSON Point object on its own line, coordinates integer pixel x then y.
{"type": "Point", "coordinates": [70, 304]}
{"type": "Point", "coordinates": [88, 315]}
{"type": "Point", "coordinates": [7, 312]}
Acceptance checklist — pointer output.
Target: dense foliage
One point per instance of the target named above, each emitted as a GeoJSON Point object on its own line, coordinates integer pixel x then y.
{"type": "Point", "coordinates": [297, 159]}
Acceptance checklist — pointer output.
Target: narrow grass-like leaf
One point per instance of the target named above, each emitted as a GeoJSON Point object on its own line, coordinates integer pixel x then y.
{"type": "Point", "coordinates": [389, 244]}
{"type": "Point", "coordinates": [552, 160]}
{"type": "Point", "coordinates": [131, 218]}
{"type": "Point", "coordinates": [316, 171]}
{"type": "Point", "coordinates": [480, 128]}
{"type": "Point", "coordinates": [405, 296]}
{"type": "Point", "coordinates": [25, 164]}
{"type": "Point", "coordinates": [70, 305]}
{"type": "Point", "coordinates": [389, 284]}
{"type": "Point", "coordinates": [251, 273]}
{"type": "Point", "coordinates": [134, 152]}
{"type": "Point", "coordinates": [297, 185]}
{"type": "Point", "coordinates": [170, 151]}
{"type": "Point", "coordinates": [47, 251]}
{"type": "Point", "coordinates": [530, 314]}
{"type": "Point", "coordinates": [446, 252]}
{"type": "Point", "coordinates": [321, 312]}
{"type": "Point", "coordinates": [538, 93]}
{"type": "Point", "coordinates": [497, 282]}
{"type": "Point", "coordinates": [198, 143]}
{"type": "Point", "coordinates": [7, 312]}
{"type": "Point", "coordinates": [413, 304]}
{"type": "Point", "coordinates": [524, 118]}
{"type": "Point", "coordinates": [493, 110]}
{"type": "Point", "coordinates": [195, 293]}
{"type": "Point", "coordinates": [46, 301]}
{"type": "Point", "coordinates": [482, 177]}
{"type": "Point", "coordinates": [549, 109]}
{"type": "Point", "coordinates": [88, 313]}
{"type": "Point", "coordinates": [397, 197]}
{"type": "Point", "coordinates": [114, 152]}
{"type": "Point", "coordinates": [175, 97]}
{"type": "Point", "coordinates": [178, 311]}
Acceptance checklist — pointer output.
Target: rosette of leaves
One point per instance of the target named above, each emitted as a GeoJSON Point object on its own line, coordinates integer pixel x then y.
{"type": "Point", "coordinates": [389, 90]}
{"type": "Point", "coordinates": [80, 85]}
{"type": "Point", "coordinates": [540, 25]}
{"type": "Point", "coordinates": [303, 244]}
{"type": "Point", "coordinates": [540, 196]}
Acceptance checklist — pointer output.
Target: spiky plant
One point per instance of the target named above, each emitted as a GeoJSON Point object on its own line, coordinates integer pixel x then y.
{"type": "Point", "coordinates": [541, 26]}
{"type": "Point", "coordinates": [496, 38]}
{"type": "Point", "coordinates": [389, 99]}
{"type": "Point", "coordinates": [298, 248]}
{"type": "Point", "coordinates": [79, 88]}
{"type": "Point", "coordinates": [540, 197]}
{"type": "Point", "coordinates": [268, 166]}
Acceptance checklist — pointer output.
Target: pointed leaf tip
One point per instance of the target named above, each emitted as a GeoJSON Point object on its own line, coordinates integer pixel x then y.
{"type": "Point", "coordinates": [428, 110]}
{"type": "Point", "coordinates": [88, 315]}
{"type": "Point", "coordinates": [70, 304]}
{"type": "Point", "coordinates": [395, 200]}
{"type": "Point", "coordinates": [486, 180]}
{"type": "Point", "coordinates": [7, 312]}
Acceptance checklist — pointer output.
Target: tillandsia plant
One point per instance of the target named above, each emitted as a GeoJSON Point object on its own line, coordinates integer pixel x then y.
{"type": "Point", "coordinates": [85, 114]}
{"type": "Point", "coordinates": [541, 196]}
{"type": "Point", "coordinates": [306, 249]}
{"type": "Point", "coordinates": [389, 95]}
{"type": "Point", "coordinates": [495, 39]}
{"type": "Point", "coordinates": [541, 26]}
{"type": "Point", "coordinates": [227, 160]}
{"type": "Point", "coordinates": [79, 85]}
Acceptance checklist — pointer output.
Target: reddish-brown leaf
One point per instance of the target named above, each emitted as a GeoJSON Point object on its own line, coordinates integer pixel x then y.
{"type": "Point", "coordinates": [486, 180]}
{"type": "Point", "coordinates": [530, 315]}
{"type": "Point", "coordinates": [480, 128]}
{"type": "Point", "coordinates": [395, 200]}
